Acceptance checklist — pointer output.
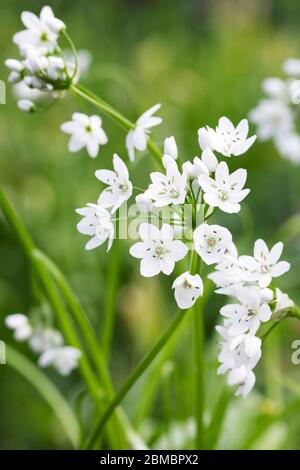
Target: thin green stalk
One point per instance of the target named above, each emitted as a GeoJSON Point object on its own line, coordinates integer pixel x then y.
{"type": "Point", "coordinates": [133, 378]}
{"type": "Point", "coordinates": [116, 116]}
{"type": "Point", "coordinates": [110, 305]}
{"type": "Point", "coordinates": [48, 391]}
{"type": "Point", "coordinates": [198, 332]}
{"type": "Point", "coordinates": [214, 429]}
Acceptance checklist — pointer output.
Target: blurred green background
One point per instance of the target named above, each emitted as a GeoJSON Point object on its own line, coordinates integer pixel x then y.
{"type": "Point", "coordinates": [201, 60]}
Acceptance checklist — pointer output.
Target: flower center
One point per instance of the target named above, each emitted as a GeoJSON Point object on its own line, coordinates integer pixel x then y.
{"type": "Point", "coordinates": [186, 284]}
{"type": "Point", "coordinates": [251, 312]}
{"type": "Point", "coordinates": [211, 242]}
{"type": "Point", "coordinates": [88, 128]}
{"type": "Point", "coordinates": [44, 37]}
{"type": "Point", "coordinates": [123, 187]}
{"type": "Point", "coordinates": [265, 269]}
{"type": "Point", "coordinates": [223, 195]}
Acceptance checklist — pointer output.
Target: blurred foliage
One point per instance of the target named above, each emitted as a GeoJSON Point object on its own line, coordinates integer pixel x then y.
{"type": "Point", "coordinates": [201, 60]}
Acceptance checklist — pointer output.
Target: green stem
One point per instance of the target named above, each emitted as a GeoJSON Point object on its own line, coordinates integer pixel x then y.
{"type": "Point", "coordinates": [48, 391]}
{"type": "Point", "coordinates": [198, 332]}
{"type": "Point", "coordinates": [133, 378]}
{"type": "Point", "coordinates": [116, 116]}
{"type": "Point", "coordinates": [110, 306]}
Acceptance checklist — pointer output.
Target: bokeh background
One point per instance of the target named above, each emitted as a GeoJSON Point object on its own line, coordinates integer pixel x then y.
{"type": "Point", "coordinates": [201, 60]}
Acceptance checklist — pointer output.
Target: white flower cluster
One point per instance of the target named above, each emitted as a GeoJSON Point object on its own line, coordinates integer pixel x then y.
{"type": "Point", "coordinates": [45, 341]}
{"type": "Point", "coordinates": [275, 116]}
{"type": "Point", "coordinates": [43, 65]}
{"type": "Point", "coordinates": [246, 278]}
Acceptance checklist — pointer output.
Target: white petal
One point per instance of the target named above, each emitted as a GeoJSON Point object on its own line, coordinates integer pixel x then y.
{"type": "Point", "coordinates": [150, 267]}
{"type": "Point", "coordinates": [280, 268]}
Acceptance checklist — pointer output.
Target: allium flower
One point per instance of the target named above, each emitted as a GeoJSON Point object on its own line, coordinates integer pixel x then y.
{"type": "Point", "coordinates": [40, 31]}
{"type": "Point", "coordinates": [226, 139]}
{"type": "Point", "coordinates": [272, 117]}
{"type": "Point", "coordinates": [275, 87]}
{"type": "Point", "coordinates": [170, 147]}
{"type": "Point", "coordinates": [212, 242]}
{"type": "Point", "coordinates": [86, 131]}
{"type": "Point", "coordinates": [169, 188]}
{"type": "Point", "coordinates": [226, 191]}
{"type": "Point", "coordinates": [187, 289]}
{"type": "Point", "coordinates": [119, 187]}
{"type": "Point", "coordinates": [64, 359]}
{"type": "Point", "coordinates": [44, 338]}
{"type": "Point", "coordinates": [136, 138]}
{"type": "Point", "coordinates": [265, 265]}
{"type": "Point", "coordinates": [158, 251]}
{"type": "Point", "coordinates": [144, 203]}
{"type": "Point", "coordinates": [292, 67]}
{"type": "Point", "coordinates": [248, 315]}
{"type": "Point", "coordinates": [282, 301]}
{"type": "Point", "coordinates": [97, 224]}
{"type": "Point", "coordinates": [20, 324]}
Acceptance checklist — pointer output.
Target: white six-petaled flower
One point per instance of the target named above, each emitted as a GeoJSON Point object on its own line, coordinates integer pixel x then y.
{"type": "Point", "coordinates": [137, 137]}
{"type": "Point", "coordinates": [226, 190]}
{"type": "Point", "coordinates": [226, 139]}
{"type": "Point", "coordinates": [97, 224]}
{"type": "Point", "coordinates": [21, 326]}
{"type": "Point", "coordinates": [187, 289]}
{"type": "Point", "coordinates": [64, 359]}
{"type": "Point", "coordinates": [212, 242]}
{"type": "Point", "coordinates": [119, 187]}
{"type": "Point", "coordinates": [157, 250]}
{"type": "Point", "coordinates": [86, 131]}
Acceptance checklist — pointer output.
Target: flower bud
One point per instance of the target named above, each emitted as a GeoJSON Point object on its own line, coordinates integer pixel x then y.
{"type": "Point", "coordinates": [26, 106]}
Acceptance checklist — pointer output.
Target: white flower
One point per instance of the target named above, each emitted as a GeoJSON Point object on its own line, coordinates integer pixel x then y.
{"type": "Point", "coordinates": [211, 242]}
{"type": "Point", "coordinates": [187, 289]}
{"type": "Point", "coordinates": [136, 138]}
{"type": "Point", "coordinates": [119, 187]}
{"type": "Point", "coordinates": [170, 147]}
{"type": "Point", "coordinates": [169, 188]}
{"type": "Point", "coordinates": [86, 131]}
{"type": "Point", "coordinates": [97, 224]}
{"type": "Point", "coordinates": [158, 251]}
{"type": "Point", "coordinates": [272, 118]}
{"type": "Point", "coordinates": [295, 92]}
{"type": "Point", "coordinates": [275, 87]}
{"type": "Point", "coordinates": [265, 265]}
{"type": "Point", "coordinates": [248, 315]}
{"type": "Point", "coordinates": [288, 145]}
{"type": "Point", "coordinates": [20, 324]}
{"type": "Point", "coordinates": [282, 301]}
{"type": "Point", "coordinates": [44, 338]}
{"type": "Point", "coordinates": [38, 32]}
{"type": "Point", "coordinates": [64, 359]}
{"type": "Point", "coordinates": [195, 169]}
{"type": "Point", "coordinates": [54, 24]}
{"type": "Point", "coordinates": [226, 191]}
{"type": "Point", "coordinates": [226, 139]}
{"type": "Point", "coordinates": [209, 159]}
{"type": "Point", "coordinates": [292, 67]}
{"type": "Point", "coordinates": [26, 106]}
{"type": "Point", "coordinates": [144, 203]}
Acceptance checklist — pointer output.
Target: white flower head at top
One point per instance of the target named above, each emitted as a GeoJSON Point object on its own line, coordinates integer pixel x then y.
{"type": "Point", "coordinates": [86, 131]}
{"type": "Point", "coordinates": [187, 289]}
{"type": "Point", "coordinates": [137, 137]}
{"type": "Point", "coordinates": [157, 250]}
{"type": "Point", "coordinates": [21, 326]}
{"type": "Point", "coordinates": [226, 190]}
{"type": "Point", "coordinates": [169, 188]}
{"type": "Point", "coordinates": [212, 242]}
{"type": "Point", "coordinates": [265, 264]}
{"type": "Point", "coordinates": [226, 139]}
{"type": "Point", "coordinates": [170, 147]}
{"type": "Point", "coordinates": [64, 359]}
{"type": "Point", "coordinates": [248, 315]}
{"type": "Point", "coordinates": [40, 31]}
{"type": "Point", "coordinates": [97, 224]}
{"type": "Point", "coordinates": [119, 187]}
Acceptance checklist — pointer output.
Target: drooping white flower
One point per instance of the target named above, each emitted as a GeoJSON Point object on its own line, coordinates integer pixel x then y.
{"type": "Point", "coordinates": [248, 315]}
{"type": "Point", "coordinates": [169, 188]}
{"type": "Point", "coordinates": [288, 145]}
{"type": "Point", "coordinates": [64, 359]}
{"type": "Point", "coordinates": [44, 338]}
{"type": "Point", "coordinates": [265, 264]}
{"type": "Point", "coordinates": [26, 106]}
{"type": "Point", "coordinates": [292, 67]}
{"type": "Point", "coordinates": [225, 191]}
{"type": "Point", "coordinates": [272, 118]}
{"type": "Point", "coordinates": [157, 250]}
{"type": "Point", "coordinates": [97, 224]}
{"type": "Point", "coordinates": [137, 138]}
{"type": "Point", "coordinates": [212, 242]}
{"type": "Point", "coordinates": [86, 131]}
{"type": "Point", "coordinates": [144, 203]}
{"type": "Point", "coordinates": [119, 187]}
{"type": "Point", "coordinates": [226, 139]}
{"type": "Point", "coordinates": [40, 31]}
{"type": "Point", "coordinates": [21, 326]}
{"type": "Point", "coordinates": [187, 289]}
{"type": "Point", "coordinates": [282, 301]}
{"type": "Point", "coordinates": [170, 147]}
